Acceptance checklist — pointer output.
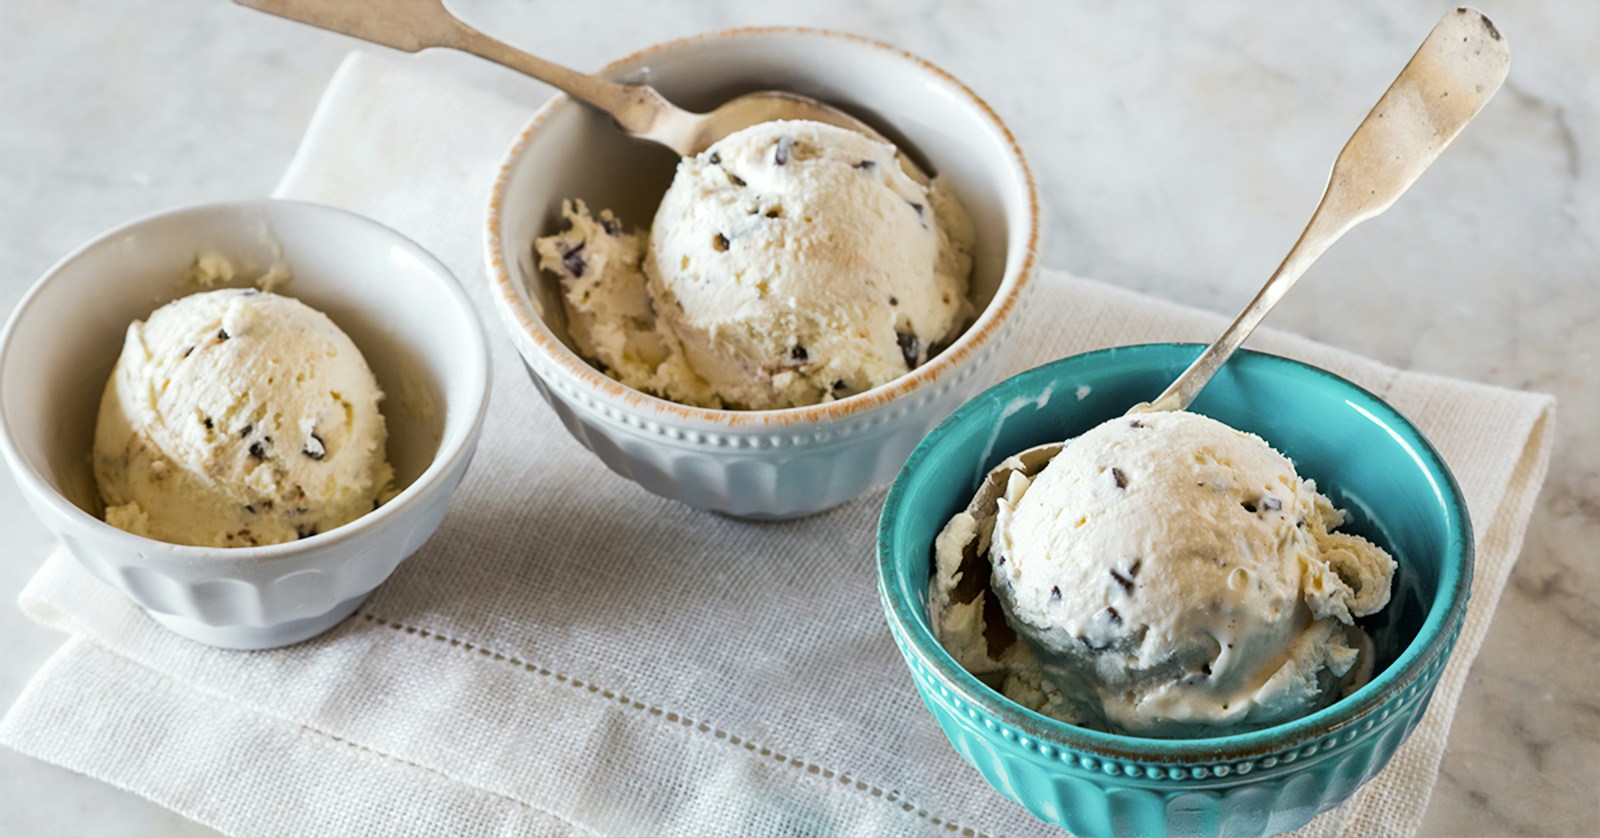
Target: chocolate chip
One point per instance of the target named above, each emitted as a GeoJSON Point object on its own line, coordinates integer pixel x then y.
{"type": "Point", "coordinates": [258, 450]}
{"type": "Point", "coordinates": [719, 243]}
{"type": "Point", "coordinates": [799, 354]}
{"type": "Point", "coordinates": [1489, 25]}
{"type": "Point", "coordinates": [206, 420]}
{"type": "Point", "coordinates": [1120, 478]}
{"type": "Point", "coordinates": [715, 159]}
{"type": "Point", "coordinates": [245, 431]}
{"type": "Point", "coordinates": [610, 225]}
{"type": "Point", "coordinates": [867, 165]}
{"type": "Point", "coordinates": [222, 334]}
{"type": "Point", "coordinates": [894, 301]}
{"type": "Point", "coordinates": [774, 212]}
{"type": "Point", "coordinates": [186, 352]}
{"type": "Point", "coordinates": [1300, 523]}
{"type": "Point", "coordinates": [315, 448]}
{"type": "Point", "coordinates": [1271, 504]}
{"type": "Point", "coordinates": [999, 560]}
{"type": "Point", "coordinates": [1249, 506]}
{"type": "Point", "coordinates": [1125, 582]}
{"type": "Point", "coordinates": [1205, 669]}
{"type": "Point", "coordinates": [735, 179]}
{"type": "Point", "coordinates": [1113, 616]}
{"type": "Point", "coordinates": [839, 387]}
{"type": "Point", "coordinates": [910, 348]}
{"type": "Point", "coordinates": [250, 509]}
{"type": "Point", "coordinates": [1137, 424]}
{"type": "Point", "coordinates": [1055, 591]}
{"type": "Point", "coordinates": [572, 260]}
{"type": "Point", "coordinates": [306, 530]}
{"type": "Point", "coordinates": [1133, 569]}
{"type": "Point", "coordinates": [780, 154]}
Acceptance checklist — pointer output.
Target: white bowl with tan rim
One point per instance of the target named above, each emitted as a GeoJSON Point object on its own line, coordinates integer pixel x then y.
{"type": "Point", "coordinates": [766, 463]}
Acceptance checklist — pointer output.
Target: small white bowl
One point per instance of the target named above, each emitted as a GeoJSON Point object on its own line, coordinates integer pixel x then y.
{"type": "Point", "coordinates": [404, 310]}
{"type": "Point", "coordinates": [774, 463]}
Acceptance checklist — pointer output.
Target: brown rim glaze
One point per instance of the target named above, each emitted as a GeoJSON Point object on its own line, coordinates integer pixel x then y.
{"type": "Point", "coordinates": [982, 330]}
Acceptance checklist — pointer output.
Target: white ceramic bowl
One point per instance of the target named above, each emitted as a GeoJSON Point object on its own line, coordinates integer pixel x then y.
{"type": "Point", "coordinates": [774, 463]}
{"type": "Point", "coordinates": [405, 311]}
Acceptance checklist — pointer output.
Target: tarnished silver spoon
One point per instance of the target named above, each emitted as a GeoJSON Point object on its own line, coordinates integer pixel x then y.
{"type": "Point", "coordinates": [639, 109]}
{"type": "Point", "coordinates": [1454, 73]}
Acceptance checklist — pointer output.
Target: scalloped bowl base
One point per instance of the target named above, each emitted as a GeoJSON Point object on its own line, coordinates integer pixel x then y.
{"type": "Point", "coordinates": [252, 638]}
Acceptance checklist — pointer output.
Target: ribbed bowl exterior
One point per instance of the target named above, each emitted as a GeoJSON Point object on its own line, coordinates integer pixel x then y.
{"type": "Point", "coordinates": [255, 604]}
{"type": "Point", "coordinates": [760, 473]}
{"type": "Point", "coordinates": [1093, 794]}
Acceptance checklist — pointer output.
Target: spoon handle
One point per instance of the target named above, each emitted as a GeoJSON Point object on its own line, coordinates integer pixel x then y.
{"type": "Point", "coordinates": [1453, 74]}
{"type": "Point", "coordinates": [414, 25]}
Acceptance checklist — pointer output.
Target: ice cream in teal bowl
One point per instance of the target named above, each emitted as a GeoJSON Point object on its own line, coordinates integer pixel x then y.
{"type": "Point", "coordinates": [1169, 627]}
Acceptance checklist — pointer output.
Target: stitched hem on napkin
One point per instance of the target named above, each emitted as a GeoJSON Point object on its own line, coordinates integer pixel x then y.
{"type": "Point", "coordinates": [219, 763]}
{"type": "Point", "coordinates": [113, 645]}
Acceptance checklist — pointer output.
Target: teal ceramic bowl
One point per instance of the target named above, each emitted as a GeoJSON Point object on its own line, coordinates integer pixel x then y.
{"type": "Point", "coordinates": [1363, 454]}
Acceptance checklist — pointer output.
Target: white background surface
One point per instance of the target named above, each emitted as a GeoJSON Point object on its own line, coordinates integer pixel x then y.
{"type": "Point", "coordinates": [1178, 151]}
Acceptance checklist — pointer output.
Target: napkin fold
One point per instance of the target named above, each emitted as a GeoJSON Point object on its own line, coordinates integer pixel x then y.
{"type": "Point", "coordinates": [571, 655]}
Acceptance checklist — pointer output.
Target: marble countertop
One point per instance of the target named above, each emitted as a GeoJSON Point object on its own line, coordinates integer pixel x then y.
{"type": "Point", "coordinates": [1178, 149]}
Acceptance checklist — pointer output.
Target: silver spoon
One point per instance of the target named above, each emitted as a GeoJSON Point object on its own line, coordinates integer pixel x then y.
{"type": "Point", "coordinates": [414, 25]}
{"type": "Point", "coordinates": [1452, 76]}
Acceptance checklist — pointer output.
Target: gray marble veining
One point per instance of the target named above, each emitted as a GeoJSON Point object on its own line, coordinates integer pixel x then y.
{"type": "Point", "coordinates": [1178, 149]}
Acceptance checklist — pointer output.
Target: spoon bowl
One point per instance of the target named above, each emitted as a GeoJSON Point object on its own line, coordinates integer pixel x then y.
{"type": "Point", "coordinates": [704, 130]}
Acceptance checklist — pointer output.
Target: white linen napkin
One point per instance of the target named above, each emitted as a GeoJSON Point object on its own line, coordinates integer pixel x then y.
{"type": "Point", "coordinates": [572, 655]}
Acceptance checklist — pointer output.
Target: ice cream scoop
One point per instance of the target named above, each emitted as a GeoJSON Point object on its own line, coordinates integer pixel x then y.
{"type": "Point", "coordinates": [794, 261]}
{"type": "Point", "coordinates": [239, 418]}
{"type": "Point", "coordinates": [1170, 576]}
{"type": "Point", "coordinates": [790, 264]}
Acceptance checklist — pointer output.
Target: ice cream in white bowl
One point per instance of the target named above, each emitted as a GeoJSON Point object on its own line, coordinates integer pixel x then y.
{"type": "Point", "coordinates": [824, 426]}
{"type": "Point", "coordinates": [239, 418]}
{"type": "Point", "coordinates": [356, 286]}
